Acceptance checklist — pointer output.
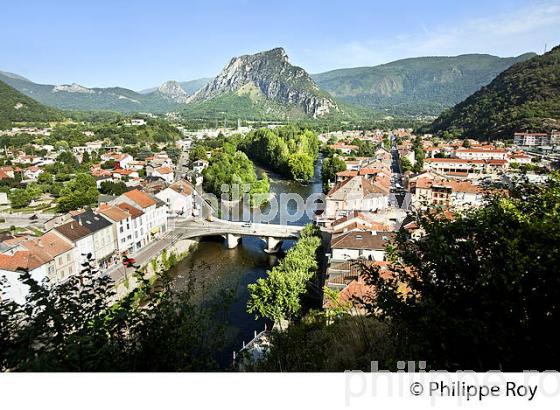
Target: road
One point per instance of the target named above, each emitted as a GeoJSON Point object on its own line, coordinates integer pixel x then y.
{"type": "Point", "coordinates": [181, 167]}
{"type": "Point", "coordinates": [192, 228]}
{"type": "Point", "coordinates": [396, 177]}
{"type": "Point", "coordinates": [201, 227]}
{"type": "Point", "coordinates": [144, 256]}
{"type": "Point", "coordinates": [23, 220]}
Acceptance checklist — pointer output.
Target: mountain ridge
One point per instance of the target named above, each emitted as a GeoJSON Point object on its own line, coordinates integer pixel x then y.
{"type": "Point", "coordinates": [77, 97]}
{"type": "Point", "coordinates": [413, 86]}
{"type": "Point", "coordinates": [524, 97]}
{"type": "Point", "coordinates": [418, 85]}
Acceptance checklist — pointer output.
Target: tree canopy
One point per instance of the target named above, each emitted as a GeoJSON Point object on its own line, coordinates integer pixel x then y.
{"type": "Point", "coordinates": [78, 192]}
{"type": "Point", "coordinates": [290, 151]}
{"type": "Point", "coordinates": [479, 291]}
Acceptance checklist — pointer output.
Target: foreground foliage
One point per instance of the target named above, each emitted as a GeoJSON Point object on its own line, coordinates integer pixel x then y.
{"type": "Point", "coordinates": [75, 327]}
{"type": "Point", "coordinates": [482, 293]}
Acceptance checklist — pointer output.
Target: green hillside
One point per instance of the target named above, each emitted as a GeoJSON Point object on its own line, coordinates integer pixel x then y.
{"type": "Point", "coordinates": [16, 107]}
{"type": "Point", "coordinates": [247, 106]}
{"type": "Point", "coordinates": [115, 99]}
{"type": "Point", "coordinates": [423, 85]}
{"type": "Point", "coordinates": [250, 104]}
{"type": "Point", "coordinates": [524, 97]}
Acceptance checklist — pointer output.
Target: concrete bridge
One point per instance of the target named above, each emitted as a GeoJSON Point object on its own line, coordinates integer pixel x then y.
{"type": "Point", "coordinates": [273, 235]}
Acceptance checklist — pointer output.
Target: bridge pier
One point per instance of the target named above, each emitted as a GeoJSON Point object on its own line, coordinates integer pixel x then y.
{"type": "Point", "coordinates": [273, 245]}
{"type": "Point", "coordinates": [232, 240]}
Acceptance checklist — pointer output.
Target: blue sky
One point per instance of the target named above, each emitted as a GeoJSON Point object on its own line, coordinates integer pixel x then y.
{"type": "Point", "coordinates": [138, 44]}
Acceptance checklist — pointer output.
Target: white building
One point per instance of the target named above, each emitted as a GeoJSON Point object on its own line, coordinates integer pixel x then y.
{"type": "Point", "coordinates": [164, 172]}
{"type": "Point", "coordinates": [81, 238]}
{"type": "Point", "coordinates": [11, 267]}
{"type": "Point", "coordinates": [481, 154]}
{"type": "Point", "coordinates": [121, 160]}
{"type": "Point", "coordinates": [179, 198]}
{"type": "Point", "coordinates": [123, 228]}
{"type": "Point", "coordinates": [357, 193]}
{"type": "Point", "coordinates": [360, 244]}
{"type": "Point", "coordinates": [155, 211]}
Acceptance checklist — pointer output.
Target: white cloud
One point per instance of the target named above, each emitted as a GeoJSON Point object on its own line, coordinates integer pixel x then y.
{"type": "Point", "coordinates": [510, 33]}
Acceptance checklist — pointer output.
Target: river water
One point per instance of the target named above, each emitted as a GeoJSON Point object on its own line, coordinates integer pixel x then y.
{"type": "Point", "coordinates": [214, 269]}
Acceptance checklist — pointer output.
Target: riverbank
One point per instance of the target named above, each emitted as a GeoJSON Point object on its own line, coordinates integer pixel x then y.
{"type": "Point", "coordinates": [212, 269]}
{"type": "Point", "coordinates": [160, 257]}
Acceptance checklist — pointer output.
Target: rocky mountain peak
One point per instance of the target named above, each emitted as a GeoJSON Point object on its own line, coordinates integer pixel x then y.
{"type": "Point", "coordinates": [173, 91]}
{"type": "Point", "coordinates": [274, 77]}
{"type": "Point", "coordinates": [72, 88]}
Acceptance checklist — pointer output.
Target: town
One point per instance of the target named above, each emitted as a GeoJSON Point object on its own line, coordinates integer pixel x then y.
{"type": "Point", "coordinates": [364, 195]}
{"type": "Point", "coordinates": [138, 199]}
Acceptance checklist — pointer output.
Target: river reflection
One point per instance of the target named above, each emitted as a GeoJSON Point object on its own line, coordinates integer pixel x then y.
{"type": "Point", "coordinates": [213, 269]}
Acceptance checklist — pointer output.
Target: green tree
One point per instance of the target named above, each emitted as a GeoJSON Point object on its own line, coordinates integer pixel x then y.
{"type": "Point", "coordinates": [78, 192]}
{"type": "Point", "coordinates": [113, 188]}
{"type": "Point", "coordinates": [405, 164]}
{"type": "Point", "coordinates": [301, 166]}
{"type": "Point", "coordinates": [173, 152]}
{"type": "Point", "coordinates": [278, 296]}
{"type": "Point", "coordinates": [144, 153]}
{"type": "Point", "coordinates": [290, 151]}
{"type": "Point", "coordinates": [68, 159]}
{"type": "Point", "coordinates": [197, 153]}
{"type": "Point", "coordinates": [20, 198]}
{"type": "Point", "coordinates": [483, 289]}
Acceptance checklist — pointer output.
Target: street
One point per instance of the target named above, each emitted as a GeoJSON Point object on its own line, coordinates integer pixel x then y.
{"type": "Point", "coordinates": [397, 188]}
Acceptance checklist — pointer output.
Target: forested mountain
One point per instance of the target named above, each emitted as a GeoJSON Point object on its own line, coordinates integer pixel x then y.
{"type": "Point", "coordinates": [266, 85]}
{"type": "Point", "coordinates": [77, 97]}
{"type": "Point", "coordinates": [524, 97]}
{"type": "Point", "coordinates": [16, 107]}
{"type": "Point", "coordinates": [263, 84]}
{"type": "Point", "coordinates": [423, 85]}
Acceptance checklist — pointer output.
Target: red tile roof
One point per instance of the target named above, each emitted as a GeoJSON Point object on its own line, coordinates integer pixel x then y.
{"type": "Point", "coordinates": [141, 198]}
{"type": "Point", "coordinates": [134, 212]}
{"type": "Point", "coordinates": [21, 260]}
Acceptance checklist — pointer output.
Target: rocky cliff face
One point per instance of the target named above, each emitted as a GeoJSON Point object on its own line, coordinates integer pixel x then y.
{"type": "Point", "coordinates": [273, 77]}
{"type": "Point", "coordinates": [173, 91]}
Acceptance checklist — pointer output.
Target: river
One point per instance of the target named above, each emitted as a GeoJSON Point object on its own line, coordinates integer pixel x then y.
{"type": "Point", "coordinates": [215, 269]}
